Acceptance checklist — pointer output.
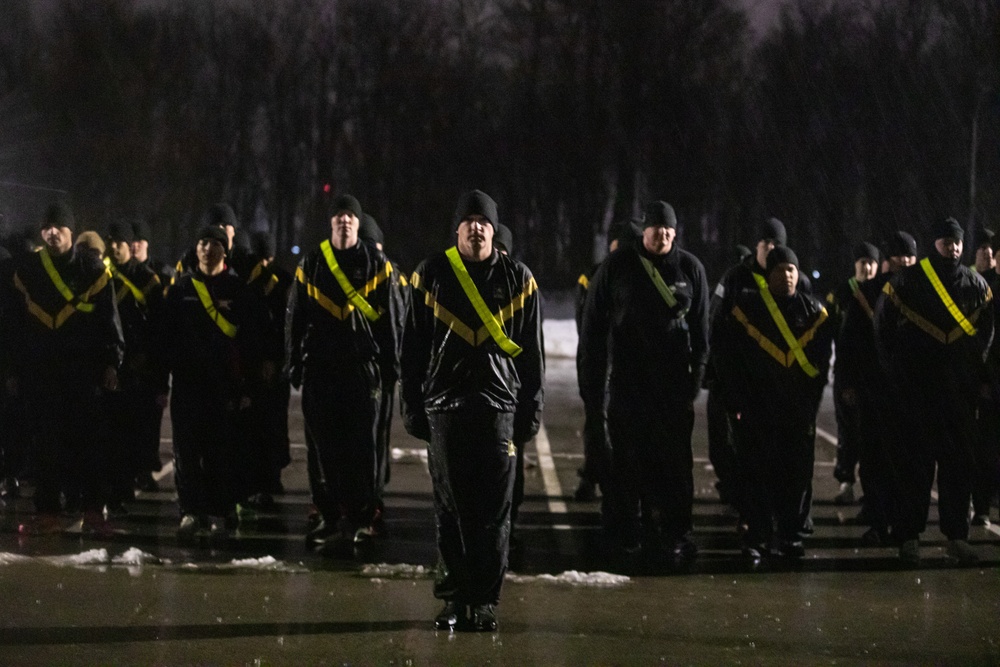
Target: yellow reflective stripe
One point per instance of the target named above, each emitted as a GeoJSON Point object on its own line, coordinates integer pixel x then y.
{"type": "Point", "coordinates": [507, 312]}
{"type": "Point", "coordinates": [657, 279]}
{"type": "Point", "coordinates": [762, 340]}
{"type": "Point", "coordinates": [786, 333]}
{"type": "Point", "coordinates": [255, 273]}
{"type": "Point", "coordinates": [356, 299]}
{"type": "Point", "coordinates": [924, 325]}
{"type": "Point", "coordinates": [224, 325]}
{"type": "Point", "coordinates": [80, 302]}
{"type": "Point", "coordinates": [321, 299]}
{"type": "Point", "coordinates": [402, 281]}
{"type": "Point", "coordinates": [946, 299]}
{"type": "Point", "coordinates": [136, 292]}
{"type": "Point", "coordinates": [583, 280]}
{"type": "Point", "coordinates": [859, 296]}
{"type": "Point", "coordinates": [456, 325]}
{"type": "Point", "coordinates": [67, 310]}
{"type": "Point", "coordinates": [469, 287]}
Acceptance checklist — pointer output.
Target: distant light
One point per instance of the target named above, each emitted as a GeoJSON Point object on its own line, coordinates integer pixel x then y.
{"type": "Point", "coordinates": [326, 188]}
{"type": "Point", "coordinates": [296, 250]}
{"type": "Point", "coordinates": [815, 273]}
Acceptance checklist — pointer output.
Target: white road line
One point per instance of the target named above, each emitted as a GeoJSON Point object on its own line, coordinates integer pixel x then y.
{"type": "Point", "coordinates": [167, 468]}
{"type": "Point", "coordinates": [551, 480]}
{"type": "Point", "coordinates": [829, 437]}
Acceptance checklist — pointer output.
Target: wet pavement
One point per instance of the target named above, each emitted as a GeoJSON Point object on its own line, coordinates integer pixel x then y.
{"type": "Point", "coordinates": [262, 597]}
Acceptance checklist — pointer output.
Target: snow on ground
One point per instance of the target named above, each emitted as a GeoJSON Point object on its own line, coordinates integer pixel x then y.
{"type": "Point", "coordinates": [560, 338]}
{"type": "Point", "coordinates": [573, 578]}
{"type": "Point", "coordinates": [396, 571]}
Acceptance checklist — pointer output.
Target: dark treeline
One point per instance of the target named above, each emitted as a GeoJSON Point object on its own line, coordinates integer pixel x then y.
{"type": "Point", "coordinates": [847, 120]}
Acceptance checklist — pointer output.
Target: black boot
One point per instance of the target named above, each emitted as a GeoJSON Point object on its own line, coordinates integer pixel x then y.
{"type": "Point", "coordinates": [484, 618]}
{"type": "Point", "coordinates": [448, 618]}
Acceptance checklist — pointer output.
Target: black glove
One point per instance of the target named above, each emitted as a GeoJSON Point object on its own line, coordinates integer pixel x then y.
{"type": "Point", "coordinates": [418, 426]}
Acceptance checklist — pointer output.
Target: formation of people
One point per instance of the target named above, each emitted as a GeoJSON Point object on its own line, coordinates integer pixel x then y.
{"type": "Point", "coordinates": [96, 335]}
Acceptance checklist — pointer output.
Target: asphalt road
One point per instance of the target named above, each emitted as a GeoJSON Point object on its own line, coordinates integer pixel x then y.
{"type": "Point", "coordinates": [264, 598]}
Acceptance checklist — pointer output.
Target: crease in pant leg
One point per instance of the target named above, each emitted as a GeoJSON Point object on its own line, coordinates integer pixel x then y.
{"type": "Point", "coordinates": [451, 580]}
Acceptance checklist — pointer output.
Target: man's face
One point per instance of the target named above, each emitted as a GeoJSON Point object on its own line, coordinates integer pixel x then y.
{"type": "Point", "coordinates": [210, 252]}
{"type": "Point", "coordinates": [121, 252]}
{"type": "Point", "coordinates": [984, 258]}
{"type": "Point", "coordinates": [57, 239]}
{"type": "Point", "coordinates": [140, 249]}
{"type": "Point", "coordinates": [949, 248]}
{"type": "Point", "coordinates": [764, 246]}
{"type": "Point", "coordinates": [344, 229]}
{"type": "Point", "coordinates": [865, 268]}
{"type": "Point", "coordinates": [475, 235]}
{"type": "Point", "coordinates": [658, 240]}
{"type": "Point", "coordinates": [782, 279]}
{"type": "Point", "coordinates": [230, 233]}
{"type": "Point", "coordinates": [898, 262]}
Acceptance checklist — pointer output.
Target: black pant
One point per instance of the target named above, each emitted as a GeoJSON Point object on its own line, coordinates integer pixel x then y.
{"type": "Point", "coordinates": [383, 454]}
{"type": "Point", "coordinates": [267, 438]}
{"type": "Point", "coordinates": [14, 436]}
{"type": "Point", "coordinates": [70, 456]}
{"type": "Point", "coordinates": [986, 481]}
{"type": "Point", "coordinates": [341, 418]}
{"type": "Point", "coordinates": [722, 444]}
{"type": "Point", "coordinates": [651, 480]}
{"type": "Point", "coordinates": [471, 459]}
{"type": "Point", "coordinates": [596, 452]}
{"type": "Point", "coordinates": [777, 464]}
{"type": "Point", "coordinates": [207, 463]}
{"type": "Point", "coordinates": [848, 435]}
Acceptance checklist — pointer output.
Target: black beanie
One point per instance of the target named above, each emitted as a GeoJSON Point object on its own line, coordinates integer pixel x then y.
{"type": "Point", "coordinates": [476, 202]}
{"type": "Point", "coordinates": [774, 229]}
{"type": "Point", "coordinates": [346, 203]}
{"type": "Point", "coordinates": [119, 232]}
{"type": "Point", "coordinates": [216, 233]}
{"type": "Point", "coordinates": [59, 214]}
{"type": "Point", "coordinates": [503, 238]}
{"type": "Point", "coordinates": [742, 252]}
{"type": "Point", "coordinates": [781, 255]}
{"type": "Point", "coordinates": [865, 250]}
{"type": "Point", "coordinates": [660, 214]}
{"type": "Point", "coordinates": [982, 236]}
{"type": "Point", "coordinates": [221, 214]}
{"type": "Point", "coordinates": [947, 229]}
{"type": "Point", "coordinates": [625, 232]}
{"type": "Point", "coordinates": [901, 244]}
{"type": "Point", "coordinates": [369, 230]}
{"type": "Point", "coordinates": [140, 230]}
{"type": "Point", "coordinates": [262, 245]}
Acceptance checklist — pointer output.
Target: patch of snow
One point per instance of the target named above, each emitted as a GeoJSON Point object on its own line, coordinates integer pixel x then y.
{"type": "Point", "coordinates": [134, 556]}
{"type": "Point", "coordinates": [560, 338]}
{"type": "Point", "coordinates": [10, 559]}
{"type": "Point", "coordinates": [395, 571]}
{"type": "Point", "coordinates": [264, 563]}
{"type": "Point", "coordinates": [409, 454]}
{"type": "Point", "coordinates": [574, 578]}
{"type": "Point", "coordinates": [91, 557]}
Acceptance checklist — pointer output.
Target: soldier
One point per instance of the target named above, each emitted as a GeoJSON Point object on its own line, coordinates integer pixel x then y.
{"type": "Point", "coordinates": [595, 438]}
{"type": "Point", "coordinates": [864, 386]}
{"type": "Point", "coordinates": [987, 478]}
{"type": "Point", "coordinates": [212, 350]}
{"type": "Point", "coordinates": [472, 368]}
{"type": "Point", "coordinates": [142, 384]}
{"type": "Point", "coordinates": [651, 303]}
{"type": "Point", "coordinates": [67, 347]}
{"type": "Point", "coordinates": [933, 328]}
{"type": "Point", "coordinates": [982, 246]}
{"type": "Point", "coordinates": [341, 337]}
{"type": "Point", "coordinates": [141, 236]}
{"type": "Point", "coordinates": [773, 353]}
{"type": "Point", "coordinates": [866, 265]}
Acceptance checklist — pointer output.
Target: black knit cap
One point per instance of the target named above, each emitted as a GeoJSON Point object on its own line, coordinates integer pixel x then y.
{"type": "Point", "coordinates": [865, 250]}
{"type": "Point", "coordinates": [346, 203]}
{"type": "Point", "coordinates": [982, 236]}
{"type": "Point", "coordinates": [659, 214]}
{"type": "Point", "coordinates": [222, 214]}
{"type": "Point", "coordinates": [741, 252]}
{"type": "Point", "coordinates": [476, 202]}
{"type": "Point", "coordinates": [119, 232]}
{"type": "Point", "coordinates": [947, 229]}
{"type": "Point", "coordinates": [901, 244]}
{"type": "Point", "coordinates": [262, 245]}
{"type": "Point", "coordinates": [781, 255]}
{"type": "Point", "coordinates": [59, 214]}
{"type": "Point", "coordinates": [369, 230]}
{"type": "Point", "coordinates": [216, 233]}
{"type": "Point", "coordinates": [141, 230]}
{"type": "Point", "coordinates": [773, 229]}
{"type": "Point", "coordinates": [625, 232]}
{"type": "Point", "coordinates": [503, 238]}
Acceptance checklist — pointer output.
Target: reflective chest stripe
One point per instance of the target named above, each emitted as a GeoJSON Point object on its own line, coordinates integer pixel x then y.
{"type": "Point", "coordinates": [946, 299]}
{"type": "Point", "coordinates": [657, 279]}
{"type": "Point", "coordinates": [272, 279]}
{"type": "Point", "coordinates": [118, 275]}
{"type": "Point", "coordinates": [76, 303]}
{"type": "Point", "coordinates": [859, 296]}
{"type": "Point", "coordinates": [352, 295]}
{"type": "Point", "coordinates": [582, 280]}
{"type": "Point", "coordinates": [793, 345]}
{"type": "Point", "coordinates": [224, 325]}
{"type": "Point", "coordinates": [489, 320]}
{"type": "Point", "coordinates": [80, 303]}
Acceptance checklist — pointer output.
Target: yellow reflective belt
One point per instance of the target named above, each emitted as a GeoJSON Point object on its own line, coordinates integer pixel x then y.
{"type": "Point", "coordinates": [136, 292]}
{"type": "Point", "coordinates": [271, 281]}
{"type": "Point", "coordinates": [469, 287]}
{"type": "Point", "coordinates": [946, 299]}
{"type": "Point", "coordinates": [582, 280]}
{"type": "Point", "coordinates": [225, 325]}
{"type": "Point", "coordinates": [786, 333]}
{"type": "Point", "coordinates": [63, 288]}
{"type": "Point", "coordinates": [356, 299]}
{"type": "Point", "coordinates": [661, 286]}
{"type": "Point", "coordinates": [859, 296]}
